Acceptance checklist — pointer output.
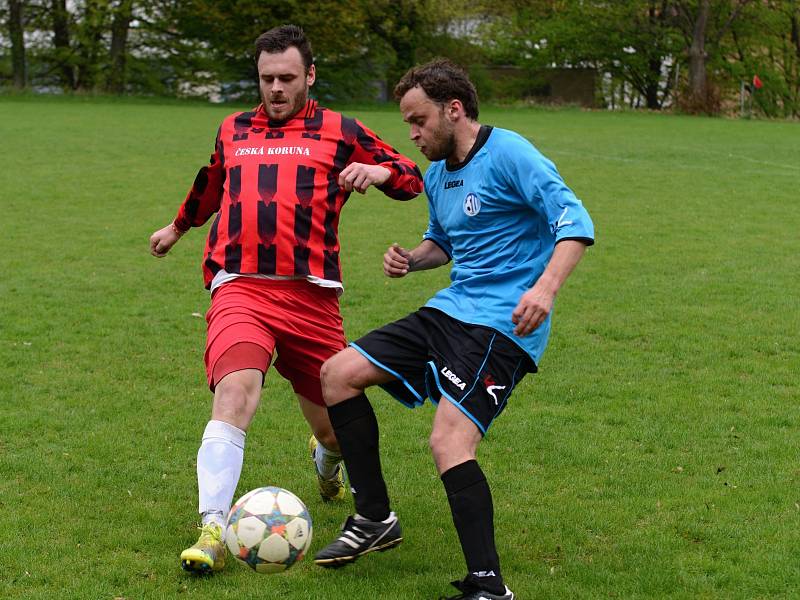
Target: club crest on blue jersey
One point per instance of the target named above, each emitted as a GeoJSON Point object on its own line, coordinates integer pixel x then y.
{"type": "Point", "coordinates": [472, 205]}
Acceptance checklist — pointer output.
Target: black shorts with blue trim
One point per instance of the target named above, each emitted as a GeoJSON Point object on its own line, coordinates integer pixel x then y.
{"type": "Point", "coordinates": [433, 355]}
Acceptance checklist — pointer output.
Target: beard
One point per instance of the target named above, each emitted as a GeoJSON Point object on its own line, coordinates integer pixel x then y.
{"type": "Point", "coordinates": [444, 142]}
{"type": "Point", "coordinates": [286, 106]}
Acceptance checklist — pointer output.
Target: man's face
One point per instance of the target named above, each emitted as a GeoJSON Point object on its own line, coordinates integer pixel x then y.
{"type": "Point", "coordinates": [283, 82]}
{"type": "Point", "coordinates": [430, 129]}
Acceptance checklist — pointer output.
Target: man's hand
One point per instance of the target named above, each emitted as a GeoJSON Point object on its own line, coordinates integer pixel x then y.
{"type": "Point", "coordinates": [358, 177]}
{"type": "Point", "coordinates": [396, 261]}
{"type": "Point", "coordinates": [532, 310]}
{"type": "Point", "coordinates": [163, 240]}
{"type": "Point", "coordinates": [537, 302]}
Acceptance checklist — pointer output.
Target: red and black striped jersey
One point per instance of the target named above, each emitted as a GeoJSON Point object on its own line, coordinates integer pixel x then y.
{"type": "Point", "coordinates": [274, 188]}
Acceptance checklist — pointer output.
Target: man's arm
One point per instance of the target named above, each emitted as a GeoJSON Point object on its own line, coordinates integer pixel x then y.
{"type": "Point", "coordinates": [202, 201]}
{"type": "Point", "coordinates": [359, 176]}
{"type": "Point", "coordinates": [399, 262]}
{"type": "Point", "coordinates": [537, 302]}
{"type": "Point", "coordinates": [374, 162]}
{"type": "Point", "coordinates": [164, 239]}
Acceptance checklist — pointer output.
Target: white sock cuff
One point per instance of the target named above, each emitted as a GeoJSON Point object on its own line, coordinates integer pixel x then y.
{"type": "Point", "coordinates": [221, 430]}
{"type": "Point", "coordinates": [326, 452]}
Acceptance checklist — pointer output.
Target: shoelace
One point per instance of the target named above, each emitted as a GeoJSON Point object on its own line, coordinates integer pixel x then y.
{"type": "Point", "coordinates": [210, 534]}
{"type": "Point", "coordinates": [332, 481]}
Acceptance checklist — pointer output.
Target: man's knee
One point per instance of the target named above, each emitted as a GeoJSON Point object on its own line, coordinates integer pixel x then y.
{"type": "Point", "coordinates": [328, 372]}
{"type": "Point", "coordinates": [439, 443]}
{"type": "Point", "coordinates": [338, 370]}
{"type": "Point", "coordinates": [451, 446]}
{"type": "Point", "coordinates": [235, 399]}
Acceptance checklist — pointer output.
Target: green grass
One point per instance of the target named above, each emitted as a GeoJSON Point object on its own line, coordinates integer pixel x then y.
{"type": "Point", "coordinates": [654, 456]}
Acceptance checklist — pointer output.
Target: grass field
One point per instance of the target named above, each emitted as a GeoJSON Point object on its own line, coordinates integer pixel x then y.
{"type": "Point", "coordinates": [655, 455]}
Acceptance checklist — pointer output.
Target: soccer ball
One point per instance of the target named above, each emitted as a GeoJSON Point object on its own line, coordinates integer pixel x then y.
{"type": "Point", "coordinates": [268, 529]}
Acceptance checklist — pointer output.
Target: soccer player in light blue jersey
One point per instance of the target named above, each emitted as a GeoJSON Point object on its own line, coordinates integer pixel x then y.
{"type": "Point", "coordinates": [514, 232]}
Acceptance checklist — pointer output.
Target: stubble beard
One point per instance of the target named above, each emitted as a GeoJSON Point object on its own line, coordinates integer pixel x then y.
{"type": "Point", "coordinates": [446, 143]}
{"type": "Point", "coordinates": [292, 106]}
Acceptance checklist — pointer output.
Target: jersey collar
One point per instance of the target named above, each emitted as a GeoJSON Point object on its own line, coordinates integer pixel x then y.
{"type": "Point", "coordinates": [306, 112]}
{"type": "Point", "coordinates": [480, 140]}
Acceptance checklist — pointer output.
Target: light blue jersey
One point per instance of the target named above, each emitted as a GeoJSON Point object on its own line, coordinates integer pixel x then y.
{"type": "Point", "coordinates": [499, 215]}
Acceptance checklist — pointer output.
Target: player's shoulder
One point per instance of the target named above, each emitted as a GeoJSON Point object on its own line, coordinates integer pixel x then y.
{"type": "Point", "coordinates": [506, 140]}
{"type": "Point", "coordinates": [351, 127]}
{"type": "Point", "coordinates": [240, 118]}
{"type": "Point", "coordinates": [249, 113]}
{"type": "Point", "coordinates": [510, 150]}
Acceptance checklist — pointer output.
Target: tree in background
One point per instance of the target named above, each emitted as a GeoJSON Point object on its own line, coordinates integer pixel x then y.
{"type": "Point", "coordinates": [122, 15]}
{"type": "Point", "coordinates": [767, 45]}
{"type": "Point", "coordinates": [16, 31]}
{"type": "Point", "coordinates": [71, 43]}
{"type": "Point", "coordinates": [226, 29]}
{"type": "Point", "coordinates": [93, 22]}
{"type": "Point", "coordinates": [399, 29]}
{"type": "Point", "coordinates": [648, 53]}
{"type": "Point", "coordinates": [633, 43]}
{"type": "Point", "coordinates": [62, 51]}
{"type": "Point", "coordinates": [704, 24]}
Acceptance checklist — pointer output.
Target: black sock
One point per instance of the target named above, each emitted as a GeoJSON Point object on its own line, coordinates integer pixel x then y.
{"type": "Point", "coordinates": [357, 432]}
{"type": "Point", "coordinates": [473, 515]}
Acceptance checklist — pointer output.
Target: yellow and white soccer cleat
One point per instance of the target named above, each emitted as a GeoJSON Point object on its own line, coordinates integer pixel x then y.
{"type": "Point", "coordinates": [208, 554]}
{"type": "Point", "coordinates": [329, 489]}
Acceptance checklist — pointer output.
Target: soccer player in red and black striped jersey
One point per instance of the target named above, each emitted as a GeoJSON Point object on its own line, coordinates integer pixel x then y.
{"type": "Point", "coordinates": [277, 182]}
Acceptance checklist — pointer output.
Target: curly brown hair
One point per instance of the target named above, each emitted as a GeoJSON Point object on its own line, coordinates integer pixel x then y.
{"type": "Point", "coordinates": [442, 80]}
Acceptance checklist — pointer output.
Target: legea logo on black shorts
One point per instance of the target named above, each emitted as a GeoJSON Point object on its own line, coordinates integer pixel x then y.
{"type": "Point", "coordinates": [472, 205]}
{"type": "Point", "coordinates": [454, 379]}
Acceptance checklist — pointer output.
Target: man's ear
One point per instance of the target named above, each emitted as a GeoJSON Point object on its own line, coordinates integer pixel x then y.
{"type": "Point", "coordinates": [454, 110]}
{"type": "Point", "coordinates": [311, 76]}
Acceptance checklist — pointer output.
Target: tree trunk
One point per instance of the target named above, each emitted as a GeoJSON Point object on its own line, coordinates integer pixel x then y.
{"type": "Point", "coordinates": [89, 46]}
{"type": "Point", "coordinates": [119, 51]}
{"type": "Point", "coordinates": [16, 32]}
{"type": "Point", "coordinates": [61, 43]}
{"type": "Point", "coordinates": [796, 40]}
{"type": "Point", "coordinates": [698, 78]}
{"type": "Point", "coordinates": [652, 87]}
{"type": "Point", "coordinates": [653, 63]}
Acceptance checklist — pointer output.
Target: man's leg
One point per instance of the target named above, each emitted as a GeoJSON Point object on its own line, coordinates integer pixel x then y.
{"type": "Point", "coordinates": [324, 450]}
{"type": "Point", "coordinates": [374, 527]}
{"type": "Point", "coordinates": [219, 464]}
{"type": "Point", "coordinates": [454, 441]}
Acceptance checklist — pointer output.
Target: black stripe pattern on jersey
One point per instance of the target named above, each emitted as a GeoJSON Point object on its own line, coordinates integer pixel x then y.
{"type": "Point", "coordinates": [267, 218]}
{"type": "Point", "coordinates": [303, 213]}
{"type": "Point", "coordinates": [241, 126]}
{"type": "Point", "coordinates": [233, 250]}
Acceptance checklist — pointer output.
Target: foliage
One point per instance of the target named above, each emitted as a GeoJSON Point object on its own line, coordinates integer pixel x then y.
{"type": "Point", "coordinates": [631, 41]}
{"type": "Point", "coordinates": [768, 45]}
{"type": "Point", "coordinates": [650, 53]}
{"type": "Point", "coordinates": [646, 46]}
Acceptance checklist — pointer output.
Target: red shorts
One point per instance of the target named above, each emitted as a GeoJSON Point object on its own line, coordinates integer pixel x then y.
{"type": "Point", "coordinates": [296, 318]}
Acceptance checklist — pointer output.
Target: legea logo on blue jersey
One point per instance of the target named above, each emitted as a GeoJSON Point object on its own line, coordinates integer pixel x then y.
{"type": "Point", "coordinates": [472, 205]}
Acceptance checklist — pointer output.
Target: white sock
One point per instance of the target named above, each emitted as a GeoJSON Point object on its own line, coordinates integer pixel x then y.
{"type": "Point", "coordinates": [326, 460]}
{"type": "Point", "coordinates": [219, 464]}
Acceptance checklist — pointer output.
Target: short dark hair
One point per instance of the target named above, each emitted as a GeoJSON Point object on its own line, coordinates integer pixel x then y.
{"type": "Point", "coordinates": [442, 80]}
{"type": "Point", "coordinates": [281, 38]}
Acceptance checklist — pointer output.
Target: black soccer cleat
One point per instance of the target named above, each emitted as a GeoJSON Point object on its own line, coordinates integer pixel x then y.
{"type": "Point", "coordinates": [360, 536]}
{"type": "Point", "coordinates": [469, 591]}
